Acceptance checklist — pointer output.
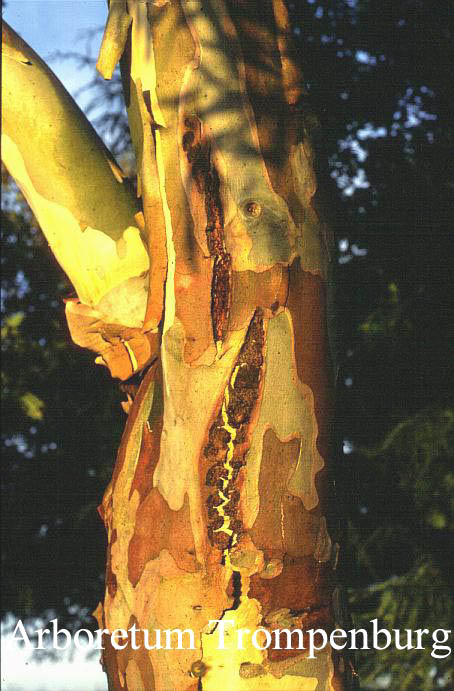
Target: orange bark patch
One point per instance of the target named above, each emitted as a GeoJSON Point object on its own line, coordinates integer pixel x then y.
{"type": "Point", "coordinates": [251, 290]}
{"type": "Point", "coordinates": [157, 527]}
{"type": "Point", "coordinates": [319, 620]}
{"type": "Point", "coordinates": [148, 459]}
{"type": "Point", "coordinates": [282, 522]}
{"type": "Point", "coordinates": [303, 585]}
{"type": "Point", "coordinates": [291, 70]}
{"type": "Point", "coordinates": [193, 305]}
{"type": "Point", "coordinates": [299, 598]}
{"type": "Point", "coordinates": [278, 460]}
{"type": "Point", "coordinates": [299, 526]}
{"type": "Point", "coordinates": [307, 305]}
{"type": "Point", "coordinates": [111, 579]}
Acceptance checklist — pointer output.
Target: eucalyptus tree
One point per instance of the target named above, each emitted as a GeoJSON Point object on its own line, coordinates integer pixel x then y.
{"type": "Point", "coordinates": [208, 291]}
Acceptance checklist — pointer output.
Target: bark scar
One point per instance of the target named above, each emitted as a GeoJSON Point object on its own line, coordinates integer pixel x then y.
{"type": "Point", "coordinates": [227, 445]}
{"type": "Point", "coordinates": [206, 178]}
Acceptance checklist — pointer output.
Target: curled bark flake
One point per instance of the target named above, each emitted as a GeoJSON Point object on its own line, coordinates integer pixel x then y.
{"type": "Point", "coordinates": [114, 38]}
{"type": "Point", "coordinates": [156, 221]}
{"type": "Point", "coordinates": [124, 350]}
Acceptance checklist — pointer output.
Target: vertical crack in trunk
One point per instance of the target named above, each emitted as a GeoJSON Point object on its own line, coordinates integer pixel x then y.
{"type": "Point", "coordinates": [207, 181]}
{"type": "Point", "coordinates": [221, 286]}
{"type": "Point", "coordinates": [227, 440]}
{"type": "Point", "coordinates": [221, 290]}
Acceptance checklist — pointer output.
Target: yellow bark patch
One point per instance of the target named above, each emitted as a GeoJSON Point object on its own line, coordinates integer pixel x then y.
{"type": "Point", "coordinates": [70, 180]}
{"type": "Point", "coordinates": [114, 38]}
{"type": "Point", "coordinates": [201, 598]}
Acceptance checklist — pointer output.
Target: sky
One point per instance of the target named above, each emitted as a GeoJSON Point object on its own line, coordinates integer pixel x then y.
{"type": "Point", "coordinates": [50, 26]}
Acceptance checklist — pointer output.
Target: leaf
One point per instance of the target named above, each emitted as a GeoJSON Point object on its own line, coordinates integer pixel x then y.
{"type": "Point", "coordinates": [11, 323]}
{"type": "Point", "coordinates": [32, 406]}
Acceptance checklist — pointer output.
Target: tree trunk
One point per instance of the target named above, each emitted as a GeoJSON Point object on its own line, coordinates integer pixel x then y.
{"type": "Point", "coordinates": [220, 506]}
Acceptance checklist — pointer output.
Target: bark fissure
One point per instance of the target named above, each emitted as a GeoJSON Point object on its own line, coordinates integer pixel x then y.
{"type": "Point", "coordinates": [207, 180]}
{"type": "Point", "coordinates": [228, 440]}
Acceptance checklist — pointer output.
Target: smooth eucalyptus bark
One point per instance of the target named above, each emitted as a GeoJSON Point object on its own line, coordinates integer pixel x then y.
{"type": "Point", "coordinates": [86, 210]}
{"type": "Point", "coordinates": [220, 505]}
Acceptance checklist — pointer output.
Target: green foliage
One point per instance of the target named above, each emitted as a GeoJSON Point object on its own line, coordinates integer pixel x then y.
{"type": "Point", "coordinates": [417, 600]}
{"type": "Point", "coordinates": [381, 77]}
{"type": "Point", "coordinates": [403, 541]}
{"type": "Point", "coordinates": [32, 405]}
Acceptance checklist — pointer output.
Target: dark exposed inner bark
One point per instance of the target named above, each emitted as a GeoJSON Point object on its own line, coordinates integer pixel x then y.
{"type": "Point", "coordinates": [207, 181]}
{"type": "Point", "coordinates": [228, 440]}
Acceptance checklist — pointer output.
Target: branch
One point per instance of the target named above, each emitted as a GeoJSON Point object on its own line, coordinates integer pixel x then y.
{"type": "Point", "coordinates": [73, 185]}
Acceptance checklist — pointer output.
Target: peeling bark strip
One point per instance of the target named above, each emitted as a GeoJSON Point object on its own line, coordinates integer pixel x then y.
{"type": "Point", "coordinates": [227, 439]}
{"type": "Point", "coordinates": [145, 120]}
{"type": "Point", "coordinates": [114, 38]}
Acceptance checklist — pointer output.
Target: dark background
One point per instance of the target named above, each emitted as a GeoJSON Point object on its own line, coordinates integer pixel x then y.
{"type": "Point", "coordinates": [380, 76]}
